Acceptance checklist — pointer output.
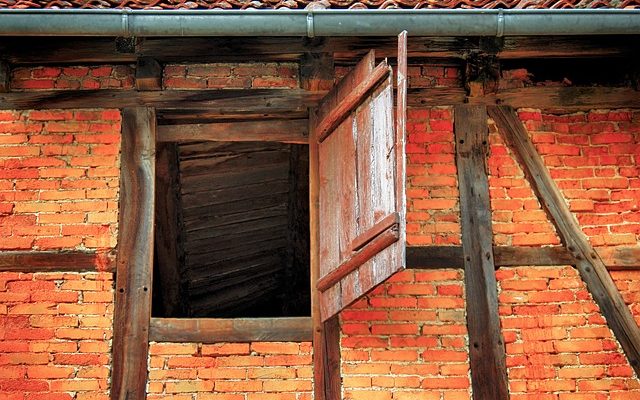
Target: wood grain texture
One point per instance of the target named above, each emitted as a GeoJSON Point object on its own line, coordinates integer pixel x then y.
{"type": "Point", "coordinates": [134, 262]}
{"type": "Point", "coordinates": [287, 131]}
{"type": "Point", "coordinates": [359, 191]}
{"type": "Point", "coordinates": [359, 257]}
{"type": "Point", "coordinates": [48, 261]}
{"type": "Point", "coordinates": [332, 381]}
{"type": "Point", "coordinates": [148, 74]}
{"type": "Point", "coordinates": [216, 330]}
{"type": "Point", "coordinates": [5, 77]}
{"type": "Point", "coordinates": [486, 345]}
{"type": "Point", "coordinates": [75, 50]}
{"type": "Point", "coordinates": [224, 101]}
{"type": "Point", "coordinates": [435, 257]}
{"type": "Point", "coordinates": [168, 225]}
{"type": "Point", "coordinates": [351, 101]}
{"type": "Point", "coordinates": [591, 266]}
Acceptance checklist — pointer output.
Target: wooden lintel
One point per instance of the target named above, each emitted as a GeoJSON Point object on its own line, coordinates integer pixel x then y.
{"type": "Point", "coordinates": [222, 100]}
{"type": "Point", "coordinates": [288, 131]}
{"type": "Point", "coordinates": [148, 74]}
{"type": "Point", "coordinates": [47, 261]}
{"type": "Point", "coordinates": [48, 50]}
{"type": "Point", "coordinates": [591, 266]}
{"type": "Point", "coordinates": [435, 257]}
{"type": "Point", "coordinates": [487, 356]}
{"type": "Point", "coordinates": [168, 241]}
{"type": "Point", "coordinates": [279, 101]}
{"type": "Point", "coordinates": [134, 263]}
{"type": "Point", "coordinates": [214, 330]}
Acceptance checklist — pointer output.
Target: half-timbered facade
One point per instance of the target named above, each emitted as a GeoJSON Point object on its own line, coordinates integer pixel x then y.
{"type": "Point", "coordinates": [335, 216]}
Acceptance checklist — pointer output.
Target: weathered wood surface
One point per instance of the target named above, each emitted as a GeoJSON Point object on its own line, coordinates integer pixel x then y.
{"type": "Point", "coordinates": [591, 266]}
{"type": "Point", "coordinates": [329, 122]}
{"type": "Point", "coordinates": [134, 263]}
{"type": "Point", "coordinates": [359, 257]}
{"type": "Point", "coordinates": [434, 257]}
{"type": "Point", "coordinates": [235, 199]}
{"type": "Point", "coordinates": [5, 77]}
{"type": "Point", "coordinates": [222, 100]}
{"type": "Point", "coordinates": [48, 261]}
{"type": "Point", "coordinates": [215, 330]}
{"type": "Point", "coordinates": [225, 105]}
{"type": "Point", "coordinates": [287, 131]}
{"type": "Point", "coordinates": [331, 381]}
{"type": "Point", "coordinates": [486, 345]}
{"type": "Point", "coordinates": [148, 74]}
{"type": "Point", "coordinates": [358, 191]}
{"type": "Point", "coordinates": [44, 50]}
{"type": "Point", "coordinates": [570, 98]}
{"type": "Point", "coordinates": [168, 225]}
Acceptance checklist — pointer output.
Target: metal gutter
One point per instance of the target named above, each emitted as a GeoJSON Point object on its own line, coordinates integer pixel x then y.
{"type": "Point", "coordinates": [388, 22]}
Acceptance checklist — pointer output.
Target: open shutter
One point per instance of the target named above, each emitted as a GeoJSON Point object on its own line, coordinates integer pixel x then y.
{"type": "Point", "coordinates": [362, 178]}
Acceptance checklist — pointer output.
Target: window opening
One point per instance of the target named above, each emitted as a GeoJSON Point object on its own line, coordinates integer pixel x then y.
{"type": "Point", "coordinates": [243, 231]}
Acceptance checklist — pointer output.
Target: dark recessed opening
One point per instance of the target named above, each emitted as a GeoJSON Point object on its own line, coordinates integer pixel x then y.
{"type": "Point", "coordinates": [243, 232]}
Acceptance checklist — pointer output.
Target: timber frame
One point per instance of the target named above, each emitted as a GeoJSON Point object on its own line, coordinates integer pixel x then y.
{"type": "Point", "coordinates": [283, 115]}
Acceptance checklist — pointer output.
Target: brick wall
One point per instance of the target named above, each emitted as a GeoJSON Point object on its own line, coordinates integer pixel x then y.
{"type": "Point", "coordinates": [59, 179]}
{"type": "Point", "coordinates": [55, 335]}
{"type": "Point", "coordinates": [406, 340]}
{"type": "Point", "coordinates": [231, 371]}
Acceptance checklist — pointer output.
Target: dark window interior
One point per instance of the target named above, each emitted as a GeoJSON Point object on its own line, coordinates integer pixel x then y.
{"type": "Point", "coordinates": [243, 231]}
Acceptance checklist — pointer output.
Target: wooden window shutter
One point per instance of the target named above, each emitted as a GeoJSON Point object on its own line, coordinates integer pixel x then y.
{"type": "Point", "coordinates": [362, 179]}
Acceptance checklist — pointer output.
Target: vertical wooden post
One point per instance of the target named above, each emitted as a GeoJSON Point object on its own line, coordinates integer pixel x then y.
{"type": "Point", "coordinates": [5, 77]}
{"type": "Point", "coordinates": [591, 267]}
{"type": "Point", "coordinates": [134, 263]}
{"type": "Point", "coordinates": [326, 336]}
{"type": "Point", "coordinates": [486, 346]}
{"type": "Point", "coordinates": [167, 229]}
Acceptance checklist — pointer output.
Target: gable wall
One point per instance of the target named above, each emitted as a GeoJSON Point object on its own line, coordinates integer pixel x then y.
{"type": "Point", "coordinates": [406, 340]}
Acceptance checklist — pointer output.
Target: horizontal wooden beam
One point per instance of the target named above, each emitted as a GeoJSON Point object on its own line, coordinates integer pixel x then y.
{"type": "Point", "coordinates": [223, 101]}
{"type": "Point", "coordinates": [288, 131]}
{"type": "Point", "coordinates": [44, 50]}
{"type": "Point", "coordinates": [47, 261]}
{"type": "Point", "coordinates": [567, 98]}
{"type": "Point", "coordinates": [214, 330]}
{"type": "Point", "coordinates": [257, 102]}
{"type": "Point", "coordinates": [434, 257]}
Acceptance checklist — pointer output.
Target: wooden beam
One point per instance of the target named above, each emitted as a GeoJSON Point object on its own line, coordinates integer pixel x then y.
{"type": "Point", "coordinates": [570, 98]}
{"type": "Point", "coordinates": [281, 101]}
{"type": "Point", "coordinates": [591, 266]}
{"type": "Point", "coordinates": [134, 262]}
{"type": "Point", "coordinates": [332, 382]}
{"type": "Point", "coordinates": [222, 100]}
{"type": "Point", "coordinates": [545, 97]}
{"type": "Point", "coordinates": [5, 77]}
{"type": "Point", "coordinates": [288, 131]}
{"type": "Point", "coordinates": [215, 330]}
{"type": "Point", "coordinates": [316, 71]}
{"type": "Point", "coordinates": [45, 50]}
{"type": "Point", "coordinates": [47, 261]}
{"type": "Point", "coordinates": [435, 257]}
{"type": "Point", "coordinates": [486, 345]}
{"type": "Point", "coordinates": [168, 225]}
{"type": "Point", "coordinates": [148, 74]}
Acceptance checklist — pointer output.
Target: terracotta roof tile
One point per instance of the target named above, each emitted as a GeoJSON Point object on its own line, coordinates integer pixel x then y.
{"type": "Point", "coordinates": [301, 4]}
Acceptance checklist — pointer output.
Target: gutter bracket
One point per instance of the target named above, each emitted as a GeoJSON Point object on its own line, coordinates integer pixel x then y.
{"type": "Point", "coordinates": [310, 26]}
{"type": "Point", "coordinates": [500, 24]}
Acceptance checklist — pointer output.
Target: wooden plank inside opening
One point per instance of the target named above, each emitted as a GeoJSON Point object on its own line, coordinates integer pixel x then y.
{"type": "Point", "coordinates": [591, 267]}
{"type": "Point", "coordinates": [486, 345]}
{"type": "Point", "coordinates": [168, 247]}
{"type": "Point", "coordinates": [216, 330]}
{"type": "Point", "coordinates": [134, 262]}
